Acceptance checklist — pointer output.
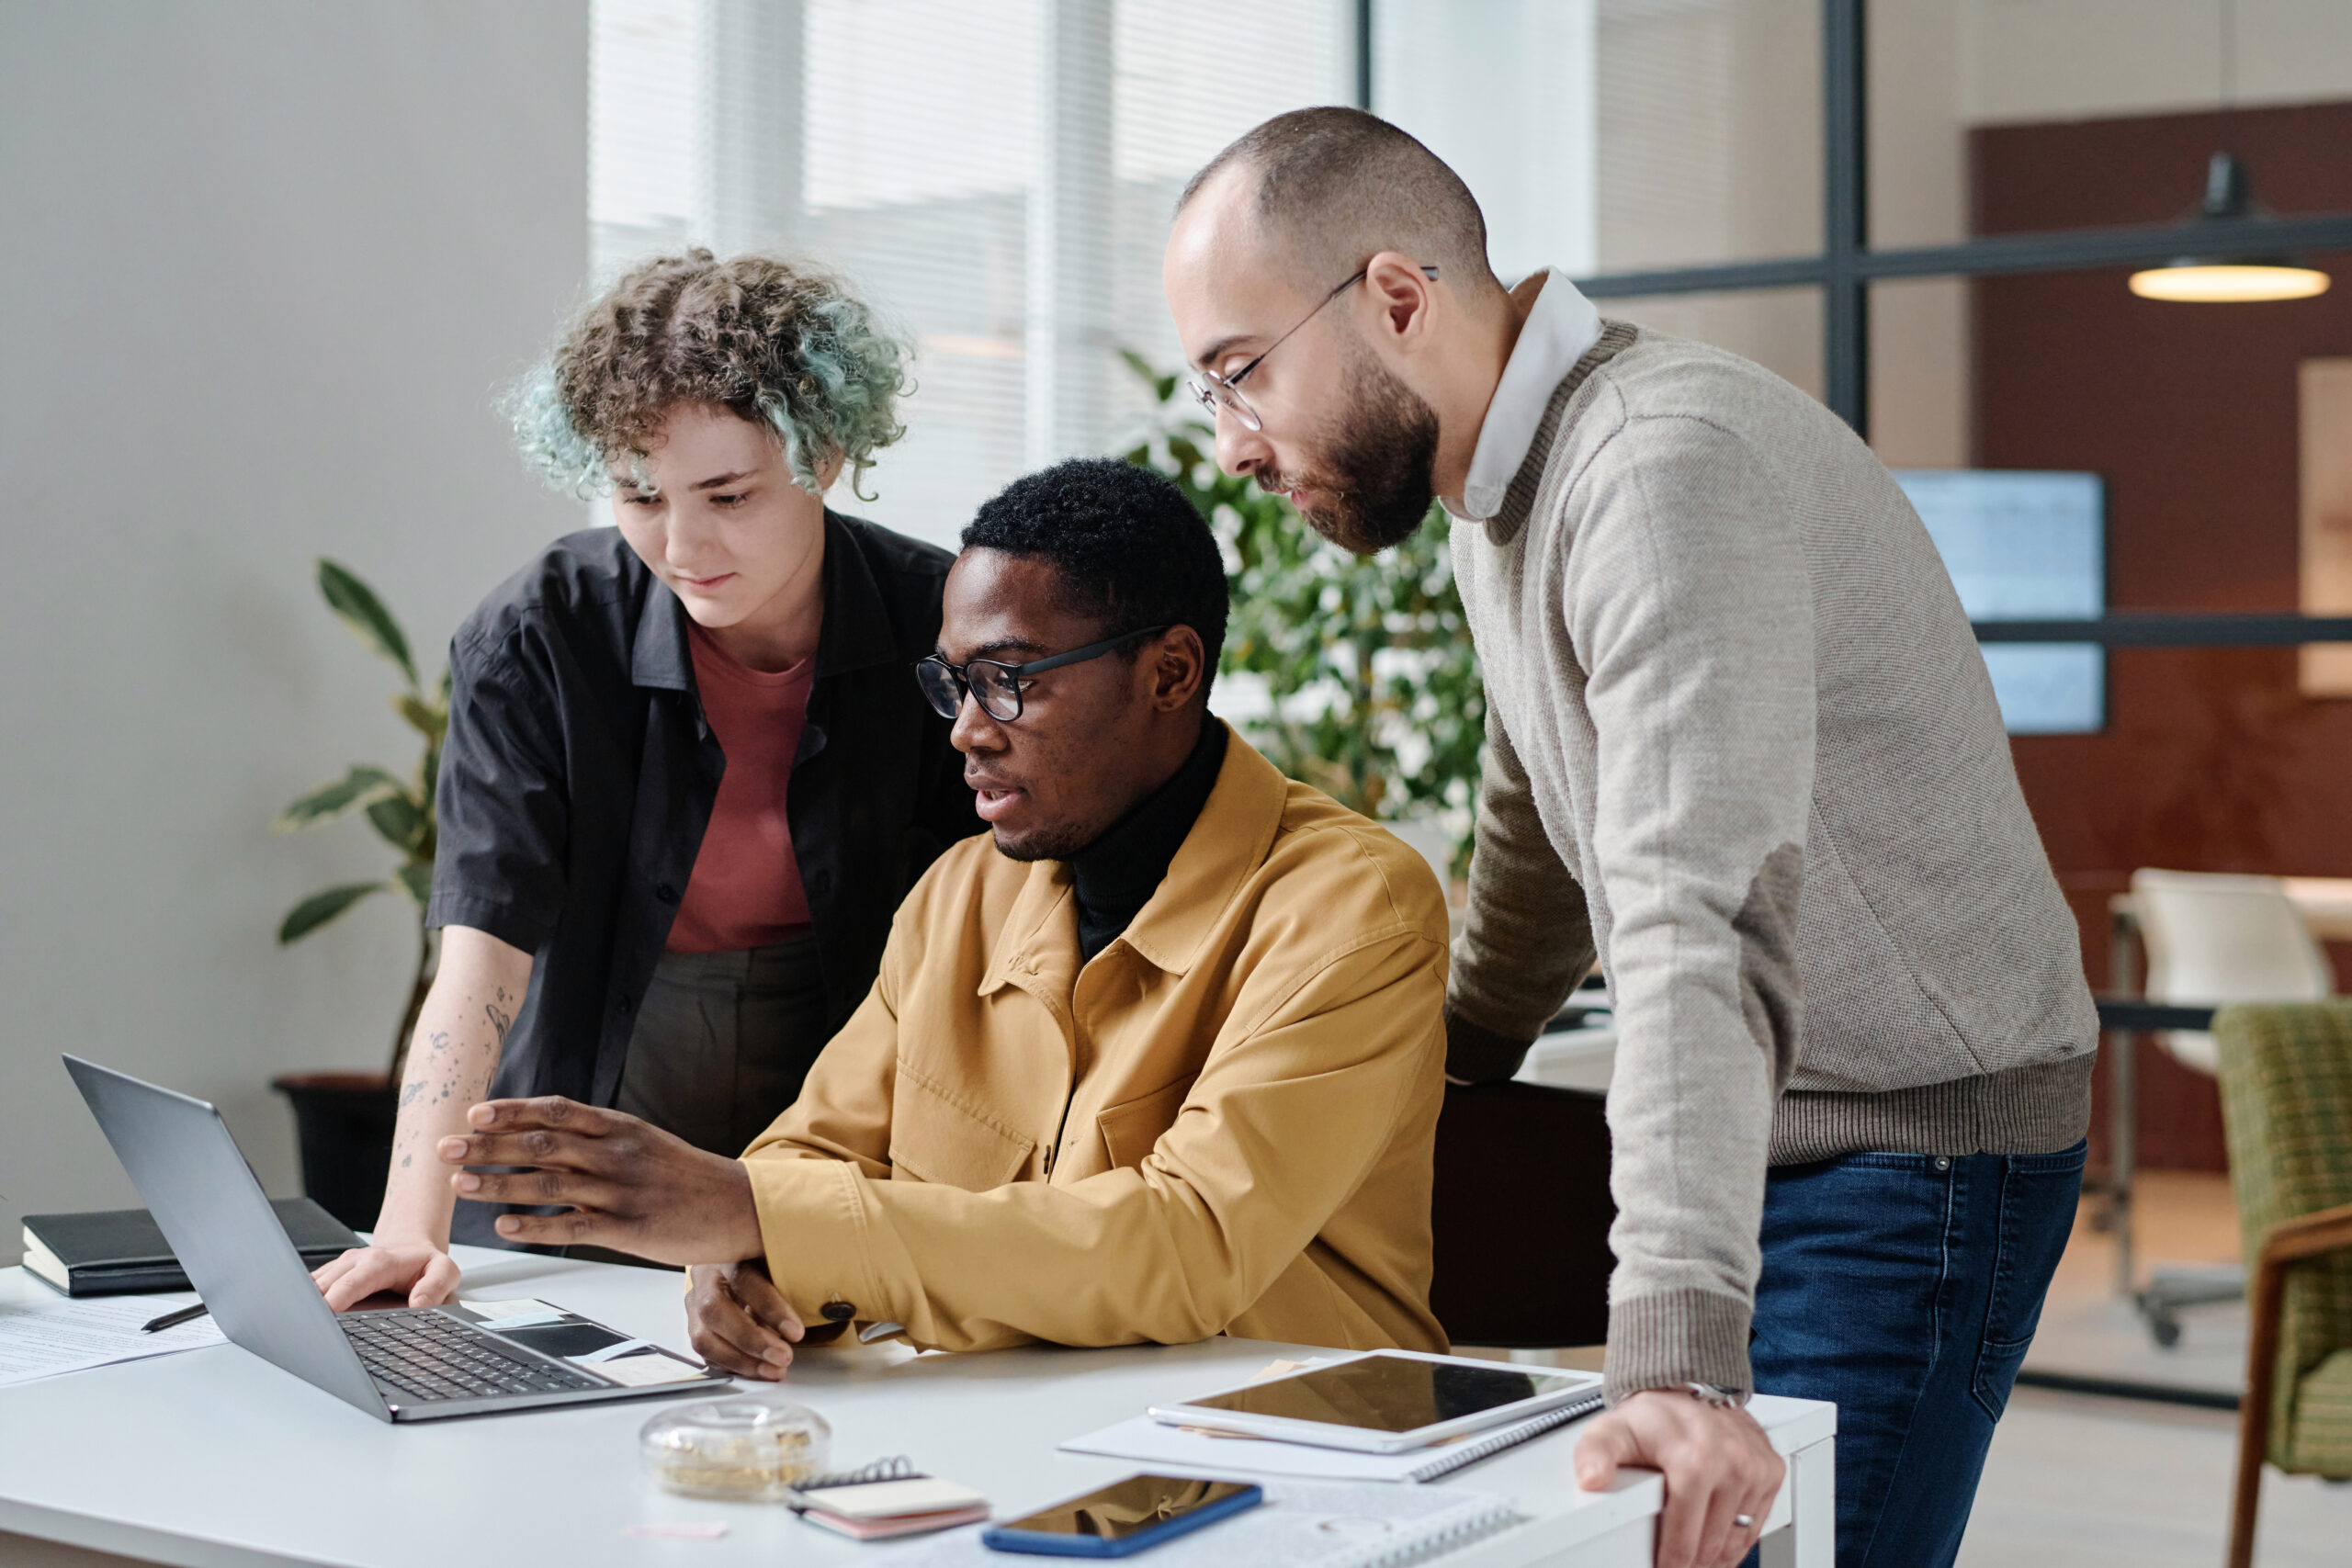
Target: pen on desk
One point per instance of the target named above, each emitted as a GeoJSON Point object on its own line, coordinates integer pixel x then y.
{"type": "Point", "coordinates": [173, 1319]}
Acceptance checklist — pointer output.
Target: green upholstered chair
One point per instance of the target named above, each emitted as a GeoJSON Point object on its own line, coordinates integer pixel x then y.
{"type": "Point", "coordinates": [2285, 1071]}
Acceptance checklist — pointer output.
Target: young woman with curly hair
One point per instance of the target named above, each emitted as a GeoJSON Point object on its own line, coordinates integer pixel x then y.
{"type": "Point", "coordinates": [689, 774]}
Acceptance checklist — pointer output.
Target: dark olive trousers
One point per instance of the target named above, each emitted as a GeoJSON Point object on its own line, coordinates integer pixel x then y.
{"type": "Point", "coordinates": [723, 1041]}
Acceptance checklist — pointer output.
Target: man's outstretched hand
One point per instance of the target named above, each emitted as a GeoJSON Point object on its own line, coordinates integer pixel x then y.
{"type": "Point", "coordinates": [1718, 1465]}
{"type": "Point", "coordinates": [630, 1185]}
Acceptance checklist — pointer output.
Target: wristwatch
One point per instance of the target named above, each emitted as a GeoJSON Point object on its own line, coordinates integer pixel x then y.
{"type": "Point", "coordinates": [1708, 1393]}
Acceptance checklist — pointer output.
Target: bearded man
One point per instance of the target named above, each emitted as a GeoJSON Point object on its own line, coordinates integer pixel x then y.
{"type": "Point", "coordinates": [1743, 749]}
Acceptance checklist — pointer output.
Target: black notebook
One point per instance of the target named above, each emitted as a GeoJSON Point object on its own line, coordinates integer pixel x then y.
{"type": "Point", "coordinates": [114, 1252]}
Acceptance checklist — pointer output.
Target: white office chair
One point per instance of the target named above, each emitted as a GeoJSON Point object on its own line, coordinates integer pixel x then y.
{"type": "Point", "coordinates": [2210, 940]}
{"type": "Point", "coordinates": [2222, 939]}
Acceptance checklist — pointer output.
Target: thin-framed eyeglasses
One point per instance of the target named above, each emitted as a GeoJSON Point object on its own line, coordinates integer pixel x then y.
{"type": "Point", "coordinates": [998, 685]}
{"type": "Point", "coordinates": [1215, 391]}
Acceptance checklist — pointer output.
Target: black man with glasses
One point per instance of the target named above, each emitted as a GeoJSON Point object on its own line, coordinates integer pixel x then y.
{"type": "Point", "coordinates": [1160, 1058]}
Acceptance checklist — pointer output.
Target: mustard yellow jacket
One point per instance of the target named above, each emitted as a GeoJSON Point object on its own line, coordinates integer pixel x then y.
{"type": "Point", "coordinates": [1221, 1124]}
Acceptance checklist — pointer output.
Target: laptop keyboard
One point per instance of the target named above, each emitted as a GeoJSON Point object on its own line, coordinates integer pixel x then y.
{"type": "Point", "coordinates": [428, 1356]}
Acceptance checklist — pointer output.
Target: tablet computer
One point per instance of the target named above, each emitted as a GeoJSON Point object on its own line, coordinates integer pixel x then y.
{"type": "Point", "coordinates": [1384, 1402]}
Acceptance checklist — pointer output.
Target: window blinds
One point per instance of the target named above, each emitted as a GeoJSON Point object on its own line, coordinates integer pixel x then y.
{"type": "Point", "coordinates": [995, 177]}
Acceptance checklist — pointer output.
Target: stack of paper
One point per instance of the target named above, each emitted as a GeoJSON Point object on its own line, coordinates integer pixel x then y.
{"type": "Point", "coordinates": [40, 1339]}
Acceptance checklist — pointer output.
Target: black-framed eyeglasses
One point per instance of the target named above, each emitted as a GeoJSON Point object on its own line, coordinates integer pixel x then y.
{"type": "Point", "coordinates": [1215, 391]}
{"type": "Point", "coordinates": [998, 685]}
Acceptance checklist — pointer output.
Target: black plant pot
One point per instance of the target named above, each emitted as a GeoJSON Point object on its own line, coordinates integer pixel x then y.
{"type": "Point", "coordinates": [343, 1125]}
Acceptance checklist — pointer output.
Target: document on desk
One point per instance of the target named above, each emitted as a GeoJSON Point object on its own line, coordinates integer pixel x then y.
{"type": "Point", "coordinates": [1184, 1450]}
{"type": "Point", "coordinates": [40, 1339]}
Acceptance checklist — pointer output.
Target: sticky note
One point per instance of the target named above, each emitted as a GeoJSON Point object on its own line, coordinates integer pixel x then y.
{"type": "Point", "coordinates": [644, 1371]}
{"type": "Point", "coordinates": [521, 1320]}
{"type": "Point", "coordinates": [696, 1531]}
{"type": "Point", "coordinates": [521, 1307]}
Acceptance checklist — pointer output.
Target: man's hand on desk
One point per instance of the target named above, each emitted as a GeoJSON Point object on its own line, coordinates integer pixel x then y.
{"type": "Point", "coordinates": [1718, 1463]}
{"type": "Point", "coordinates": [737, 1320]}
{"type": "Point", "coordinates": [629, 1185]}
{"type": "Point", "coordinates": [418, 1270]}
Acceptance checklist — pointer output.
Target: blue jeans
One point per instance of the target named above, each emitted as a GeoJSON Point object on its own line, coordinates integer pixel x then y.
{"type": "Point", "coordinates": [1906, 1288]}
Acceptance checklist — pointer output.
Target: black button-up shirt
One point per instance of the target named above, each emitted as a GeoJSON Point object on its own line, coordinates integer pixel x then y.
{"type": "Point", "coordinates": [579, 775]}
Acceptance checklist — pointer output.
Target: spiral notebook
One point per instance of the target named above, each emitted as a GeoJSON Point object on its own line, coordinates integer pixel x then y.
{"type": "Point", "coordinates": [888, 1497]}
{"type": "Point", "coordinates": [1186, 1451]}
{"type": "Point", "coordinates": [1300, 1525]}
{"type": "Point", "coordinates": [898, 1467]}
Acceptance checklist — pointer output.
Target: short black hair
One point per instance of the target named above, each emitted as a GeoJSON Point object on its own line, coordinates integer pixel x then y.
{"type": "Point", "coordinates": [1126, 545]}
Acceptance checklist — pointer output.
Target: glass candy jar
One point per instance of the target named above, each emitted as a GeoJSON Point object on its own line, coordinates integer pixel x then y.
{"type": "Point", "coordinates": [749, 1447]}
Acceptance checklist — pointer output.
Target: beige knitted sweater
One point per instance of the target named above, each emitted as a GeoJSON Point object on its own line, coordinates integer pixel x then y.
{"type": "Point", "coordinates": [1743, 747]}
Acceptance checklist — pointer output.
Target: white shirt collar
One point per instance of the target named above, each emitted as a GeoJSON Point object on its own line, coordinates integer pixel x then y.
{"type": "Point", "coordinates": [1561, 328]}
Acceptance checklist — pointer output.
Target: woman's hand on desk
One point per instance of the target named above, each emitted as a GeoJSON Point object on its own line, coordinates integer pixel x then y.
{"type": "Point", "coordinates": [737, 1320]}
{"type": "Point", "coordinates": [626, 1184]}
{"type": "Point", "coordinates": [418, 1270]}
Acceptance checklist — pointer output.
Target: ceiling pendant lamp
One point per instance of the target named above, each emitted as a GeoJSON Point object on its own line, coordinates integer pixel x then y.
{"type": "Point", "coordinates": [2228, 279]}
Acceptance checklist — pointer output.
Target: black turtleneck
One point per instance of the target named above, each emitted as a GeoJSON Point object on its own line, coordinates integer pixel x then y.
{"type": "Point", "coordinates": [1117, 875]}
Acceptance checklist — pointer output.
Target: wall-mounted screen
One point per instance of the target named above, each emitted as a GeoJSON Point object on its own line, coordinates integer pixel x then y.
{"type": "Point", "coordinates": [2026, 547]}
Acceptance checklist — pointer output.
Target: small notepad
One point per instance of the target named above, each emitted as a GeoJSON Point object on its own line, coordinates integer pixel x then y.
{"type": "Point", "coordinates": [892, 1499]}
{"type": "Point", "coordinates": [887, 1498]}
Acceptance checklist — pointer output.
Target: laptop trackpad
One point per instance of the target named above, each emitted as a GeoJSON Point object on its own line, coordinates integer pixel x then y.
{"type": "Point", "coordinates": [563, 1339]}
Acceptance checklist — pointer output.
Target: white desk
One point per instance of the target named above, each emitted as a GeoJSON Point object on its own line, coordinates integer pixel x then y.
{"type": "Point", "coordinates": [214, 1459]}
{"type": "Point", "coordinates": [1573, 1058]}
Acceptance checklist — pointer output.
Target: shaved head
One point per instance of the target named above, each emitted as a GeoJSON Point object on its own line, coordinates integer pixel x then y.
{"type": "Point", "coordinates": [1331, 187]}
{"type": "Point", "coordinates": [1326, 274]}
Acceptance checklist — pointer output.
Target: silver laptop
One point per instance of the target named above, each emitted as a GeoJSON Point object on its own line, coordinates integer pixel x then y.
{"type": "Point", "coordinates": [404, 1364]}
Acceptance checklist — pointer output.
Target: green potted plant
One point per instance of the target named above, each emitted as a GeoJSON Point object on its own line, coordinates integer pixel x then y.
{"type": "Point", "coordinates": [343, 1120]}
{"type": "Point", "coordinates": [1372, 690]}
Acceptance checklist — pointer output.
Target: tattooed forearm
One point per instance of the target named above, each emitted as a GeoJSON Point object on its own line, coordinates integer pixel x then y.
{"type": "Point", "coordinates": [452, 1058]}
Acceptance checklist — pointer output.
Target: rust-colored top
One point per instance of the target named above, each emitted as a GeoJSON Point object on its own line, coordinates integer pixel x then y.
{"type": "Point", "coordinates": [746, 891]}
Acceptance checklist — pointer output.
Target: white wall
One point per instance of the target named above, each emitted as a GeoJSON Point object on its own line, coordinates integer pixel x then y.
{"type": "Point", "coordinates": [263, 265]}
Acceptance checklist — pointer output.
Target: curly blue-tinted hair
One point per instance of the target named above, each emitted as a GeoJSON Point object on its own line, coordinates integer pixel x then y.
{"type": "Point", "coordinates": [775, 342]}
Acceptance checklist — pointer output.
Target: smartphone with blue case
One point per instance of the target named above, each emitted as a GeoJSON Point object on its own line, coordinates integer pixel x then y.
{"type": "Point", "coordinates": [1124, 1518]}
